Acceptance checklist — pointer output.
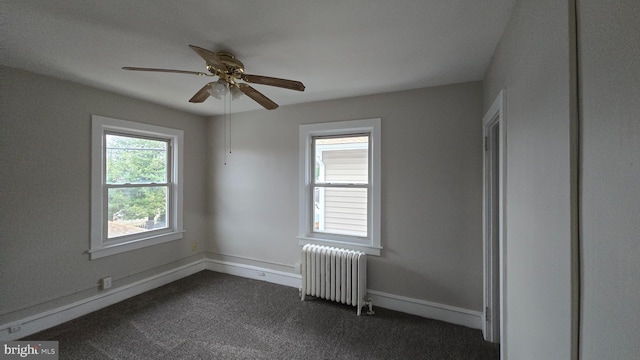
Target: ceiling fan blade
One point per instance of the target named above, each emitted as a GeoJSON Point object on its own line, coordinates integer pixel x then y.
{"type": "Point", "coordinates": [209, 57]}
{"type": "Point", "coordinates": [201, 95]}
{"type": "Point", "coordinates": [271, 81]}
{"type": "Point", "coordinates": [166, 71]}
{"type": "Point", "coordinates": [257, 96]}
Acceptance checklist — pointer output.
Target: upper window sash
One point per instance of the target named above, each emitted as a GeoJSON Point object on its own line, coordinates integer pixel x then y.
{"type": "Point", "coordinates": [168, 160]}
{"type": "Point", "coordinates": [339, 147]}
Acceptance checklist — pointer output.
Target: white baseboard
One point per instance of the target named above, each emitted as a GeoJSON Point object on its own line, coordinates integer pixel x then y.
{"type": "Point", "coordinates": [254, 272]}
{"type": "Point", "coordinates": [431, 310]}
{"type": "Point", "coordinates": [47, 319]}
{"type": "Point", "coordinates": [427, 309]}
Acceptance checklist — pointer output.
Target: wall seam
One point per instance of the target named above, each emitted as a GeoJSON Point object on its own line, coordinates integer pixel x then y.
{"type": "Point", "coordinates": [575, 178]}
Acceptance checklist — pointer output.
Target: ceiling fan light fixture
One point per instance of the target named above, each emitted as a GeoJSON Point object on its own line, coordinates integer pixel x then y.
{"type": "Point", "coordinates": [218, 89]}
{"type": "Point", "coordinates": [236, 93]}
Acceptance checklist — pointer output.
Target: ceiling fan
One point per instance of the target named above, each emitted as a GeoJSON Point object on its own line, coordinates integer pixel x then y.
{"type": "Point", "coordinates": [229, 70]}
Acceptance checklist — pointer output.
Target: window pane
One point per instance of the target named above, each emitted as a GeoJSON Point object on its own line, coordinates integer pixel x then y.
{"type": "Point", "coordinates": [340, 211]}
{"type": "Point", "coordinates": [342, 160]}
{"type": "Point", "coordinates": [136, 160]}
{"type": "Point", "coordinates": [136, 209]}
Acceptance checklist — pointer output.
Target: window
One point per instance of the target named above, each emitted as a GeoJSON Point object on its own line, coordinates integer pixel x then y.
{"type": "Point", "coordinates": [340, 185]}
{"type": "Point", "coordinates": [136, 194]}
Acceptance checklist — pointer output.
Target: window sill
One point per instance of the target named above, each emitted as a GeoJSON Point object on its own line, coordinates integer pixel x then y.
{"type": "Point", "coordinates": [367, 249]}
{"type": "Point", "coordinates": [134, 244]}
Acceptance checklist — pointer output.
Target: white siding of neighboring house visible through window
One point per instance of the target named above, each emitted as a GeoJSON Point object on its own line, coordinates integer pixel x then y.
{"type": "Point", "coordinates": [343, 210]}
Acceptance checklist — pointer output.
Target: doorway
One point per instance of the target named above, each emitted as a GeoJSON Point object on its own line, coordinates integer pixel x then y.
{"type": "Point", "coordinates": [494, 222]}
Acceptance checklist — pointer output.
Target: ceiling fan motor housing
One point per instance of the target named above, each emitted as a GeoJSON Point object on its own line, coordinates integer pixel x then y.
{"type": "Point", "coordinates": [235, 67]}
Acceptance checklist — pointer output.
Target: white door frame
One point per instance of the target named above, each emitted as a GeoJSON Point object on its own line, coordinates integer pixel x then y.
{"type": "Point", "coordinates": [494, 293]}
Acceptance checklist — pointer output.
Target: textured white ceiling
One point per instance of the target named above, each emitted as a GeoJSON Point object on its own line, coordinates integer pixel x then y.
{"type": "Point", "coordinates": [336, 48]}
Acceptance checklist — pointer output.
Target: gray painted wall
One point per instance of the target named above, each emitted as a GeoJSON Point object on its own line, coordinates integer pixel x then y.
{"type": "Point", "coordinates": [431, 189]}
{"type": "Point", "coordinates": [532, 63]}
{"type": "Point", "coordinates": [609, 36]}
{"type": "Point", "coordinates": [45, 193]}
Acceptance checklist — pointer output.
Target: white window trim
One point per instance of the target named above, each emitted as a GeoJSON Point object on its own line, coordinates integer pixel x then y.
{"type": "Point", "coordinates": [370, 245]}
{"type": "Point", "coordinates": [99, 245]}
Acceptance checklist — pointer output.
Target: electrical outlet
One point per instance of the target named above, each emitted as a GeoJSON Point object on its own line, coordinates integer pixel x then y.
{"type": "Point", "coordinates": [194, 246]}
{"type": "Point", "coordinates": [105, 282]}
{"type": "Point", "coordinates": [14, 329]}
{"type": "Point", "coordinates": [261, 273]}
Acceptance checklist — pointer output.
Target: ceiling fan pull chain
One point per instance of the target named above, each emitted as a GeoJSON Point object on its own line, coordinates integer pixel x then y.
{"type": "Point", "coordinates": [229, 115]}
{"type": "Point", "coordinates": [224, 119]}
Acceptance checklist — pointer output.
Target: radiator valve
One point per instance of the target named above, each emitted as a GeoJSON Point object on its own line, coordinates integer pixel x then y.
{"type": "Point", "coordinates": [369, 303]}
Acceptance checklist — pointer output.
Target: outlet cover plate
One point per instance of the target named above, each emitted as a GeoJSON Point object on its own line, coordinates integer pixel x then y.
{"type": "Point", "coordinates": [105, 282]}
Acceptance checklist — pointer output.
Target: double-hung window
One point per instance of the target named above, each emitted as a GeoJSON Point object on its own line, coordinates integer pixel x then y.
{"type": "Point", "coordinates": [340, 184]}
{"type": "Point", "coordinates": [136, 186]}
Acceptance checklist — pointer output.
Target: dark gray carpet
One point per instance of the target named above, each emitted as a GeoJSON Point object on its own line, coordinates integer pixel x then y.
{"type": "Point", "coordinates": [217, 316]}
